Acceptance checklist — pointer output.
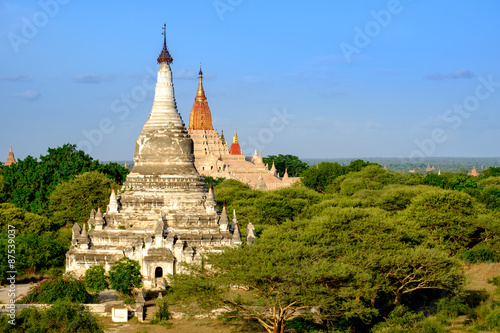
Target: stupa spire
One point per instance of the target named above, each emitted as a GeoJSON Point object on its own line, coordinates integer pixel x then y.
{"type": "Point", "coordinates": [10, 158]}
{"type": "Point", "coordinates": [164, 55]}
{"type": "Point", "coordinates": [200, 117]}
{"type": "Point", "coordinates": [200, 95]}
{"type": "Point", "coordinates": [235, 147]}
{"type": "Point", "coordinates": [164, 146]}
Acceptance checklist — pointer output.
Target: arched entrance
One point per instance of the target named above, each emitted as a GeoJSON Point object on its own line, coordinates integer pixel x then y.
{"type": "Point", "coordinates": [158, 272]}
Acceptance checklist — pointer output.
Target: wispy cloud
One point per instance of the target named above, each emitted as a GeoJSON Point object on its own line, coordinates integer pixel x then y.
{"type": "Point", "coordinates": [19, 77]}
{"type": "Point", "coordinates": [185, 74]}
{"type": "Point", "coordinates": [388, 71]}
{"type": "Point", "coordinates": [459, 74]}
{"type": "Point", "coordinates": [29, 95]}
{"type": "Point", "coordinates": [93, 78]}
{"type": "Point", "coordinates": [333, 94]}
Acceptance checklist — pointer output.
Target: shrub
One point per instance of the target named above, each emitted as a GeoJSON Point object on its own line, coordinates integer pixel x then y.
{"type": "Point", "coordinates": [62, 316]}
{"type": "Point", "coordinates": [478, 255]}
{"type": "Point", "coordinates": [452, 306]}
{"type": "Point", "coordinates": [493, 318]}
{"type": "Point", "coordinates": [162, 315]}
{"type": "Point", "coordinates": [95, 279]}
{"type": "Point", "coordinates": [54, 289]}
{"type": "Point", "coordinates": [125, 275]}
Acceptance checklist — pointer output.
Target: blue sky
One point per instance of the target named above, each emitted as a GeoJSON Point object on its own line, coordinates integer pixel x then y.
{"type": "Point", "coordinates": [326, 79]}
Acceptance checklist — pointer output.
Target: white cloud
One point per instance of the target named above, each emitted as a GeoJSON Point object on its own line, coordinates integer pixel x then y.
{"type": "Point", "coordinates": [29, 95]}
{"type": "Point", "coordinates": [93, 78]}
{"type": "Point", "coordinates": [459, 74]}
{"type": "Point", "coordinates": [18, 77]}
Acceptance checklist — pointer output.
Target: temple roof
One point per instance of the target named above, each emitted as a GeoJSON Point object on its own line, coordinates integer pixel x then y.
{"type": "Point", "coordinates": [165, 55]}
{"type": "Point", "coordinates": [200, 117]}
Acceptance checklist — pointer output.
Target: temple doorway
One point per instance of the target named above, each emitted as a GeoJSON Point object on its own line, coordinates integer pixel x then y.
{"type": "Point", "coordinates": [158, 272]}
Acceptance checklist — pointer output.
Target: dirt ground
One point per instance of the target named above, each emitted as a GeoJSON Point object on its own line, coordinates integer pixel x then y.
{"type": "Point", "coordinates": [178, 326]}
{"type": "Point", "coordinates": [21, 289]}
{"type": "Point", "coordinates": [479, 274]}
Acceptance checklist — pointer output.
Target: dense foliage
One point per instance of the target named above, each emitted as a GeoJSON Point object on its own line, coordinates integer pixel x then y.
{"type": "Point", "coordinates": [96, 279]}
{"type": "Point", "coordinates": [73, 200]}
{"type": "Point", "coordinates": [125, 275]}
{"type": "Point", "coordinates": [292, 164]}
{"type": "Point", "coordinates": [36, 252]}
{"type": "Point", "coordinates": [29, 183]}
{"type": "Point", "coordinates": [356, 247]}
{"type": "Point", "coordinates": [62, 316]}
{"type": "Point", "coordinates": [41, 199]}
{"type": "Point", "coordinates": [373, 249]}
{"type": "Point", "coordinates": [51, 290]}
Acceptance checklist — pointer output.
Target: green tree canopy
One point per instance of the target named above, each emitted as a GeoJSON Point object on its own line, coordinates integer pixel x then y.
{"type": "Point", "coordinates": [448, 217]}
{"type": "Point", "coordinates": [125, 275]}
{"type": "Point", "coordinates": [29, 183]}
{"type": "Point", "coordinates": [355, 264]}
{"type": "Point", "coordinates": [96, 279]}
{"type": "Point", "coordinates": [23, 221]}
{"type": "Point", "coordinates": [291, 163]}
{"type": "Point", "coordinates": [71, 201]}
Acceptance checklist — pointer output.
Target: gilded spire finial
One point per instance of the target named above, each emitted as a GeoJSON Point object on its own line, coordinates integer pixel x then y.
{"type": "Point", "coordinates": [200, 94]}
{"type": "Point", "coordinates": [164, 55]}
{"type": "Point", "coordinates": [235, 137]}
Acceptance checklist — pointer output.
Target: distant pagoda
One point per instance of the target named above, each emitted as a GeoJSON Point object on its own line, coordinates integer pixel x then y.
{"type": "Point", "coordinates": [10, 158]}
{"type": "Point", "coordinates": [214, 158]}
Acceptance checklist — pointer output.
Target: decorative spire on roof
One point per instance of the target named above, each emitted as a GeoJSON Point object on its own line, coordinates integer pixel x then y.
{"type": "Point", "coordinates": [285, 175]}
{"type": "Point", "coordinates": [84, 240]}
{"type": "Point", "coordinates": [224, 219]}
{"type": "Point", "coordinates": [250, 233]}
{"type": "Point", "coordinates": [236, 230]}
{"type": "Point", "coordinates": [200, 117]}
{"type": "Point", "coordinates": [235, 147]}
{"type": "Point", "coordinates": [260, 184]}
{"type": "Point", "coordinates": [235, 137]}
{"type": "Point", "coordinates": [222, 137]}
{"type": "Point", "coordinates": [113, 202]}
{"type": "Point", "coordinates": [210, 202]}
{"type": "Point", "coordinates": [75, 231]}
{"type": "Point", "coordinates": [200, 95]}
{"type": "Point", "coordinates": [165, 55]}
{"type": "Point", "coordinates": [10, 158]}
{"type": "Point", "coordinates": [273, 170]}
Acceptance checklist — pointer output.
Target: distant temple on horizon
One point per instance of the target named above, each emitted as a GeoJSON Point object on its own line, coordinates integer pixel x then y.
{"type": "Point", "coordinates": [10, 158]}
{"type": "Point", "coordinates": [473, 172]}
{"type": "Point", "coordinates": [214, 158]}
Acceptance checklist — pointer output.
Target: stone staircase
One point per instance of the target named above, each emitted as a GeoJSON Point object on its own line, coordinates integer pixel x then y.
{"type": "Point", "coordinates": [149, 311]}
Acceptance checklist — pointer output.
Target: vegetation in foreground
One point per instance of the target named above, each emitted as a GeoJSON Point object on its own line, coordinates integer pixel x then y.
{"type": "Point", "coordinates": [62, 316]}
{"type": "Point", "coordinates": [357, 247]}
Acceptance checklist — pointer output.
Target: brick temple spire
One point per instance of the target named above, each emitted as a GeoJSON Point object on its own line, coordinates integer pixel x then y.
{"type": "Point", "coordinates": [10, 158]}
{"type": "Point", "coordinates": [164, 55]}
{"type": "Point", "coordinates": [200, 117]}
